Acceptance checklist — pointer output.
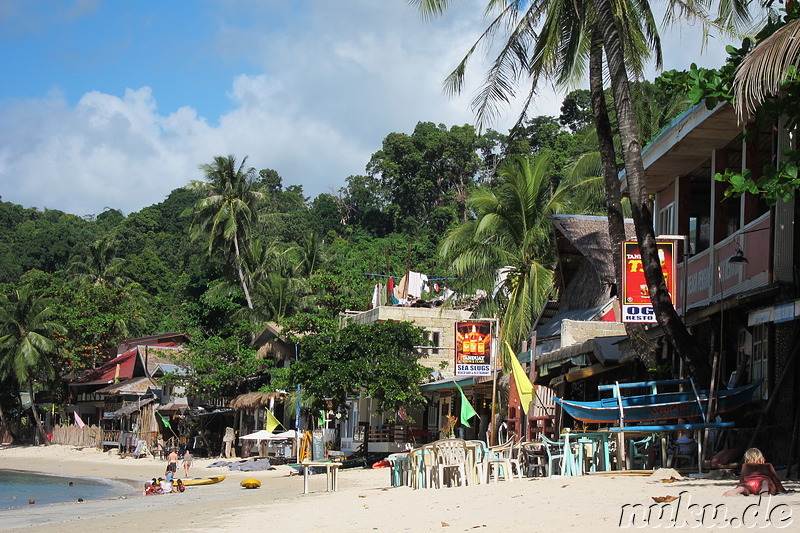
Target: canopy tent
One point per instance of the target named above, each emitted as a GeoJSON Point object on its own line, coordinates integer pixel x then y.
{"type": "Point", "coordinates": [266, 435]}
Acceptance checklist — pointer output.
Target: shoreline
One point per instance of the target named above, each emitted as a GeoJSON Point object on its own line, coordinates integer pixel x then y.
{"type": "Point", "coordinates": [364, 502]}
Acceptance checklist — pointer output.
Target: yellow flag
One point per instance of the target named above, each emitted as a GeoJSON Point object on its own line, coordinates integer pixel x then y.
{"type": "Point", "coordinates": [524, 386]}
{"type": "Point", "coordinates": [272, 422]}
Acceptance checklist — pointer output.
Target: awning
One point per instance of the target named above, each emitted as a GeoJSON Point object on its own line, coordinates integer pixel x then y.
{"type": "Point", "coordinates": [587, 358]}
{"type": "Point", "coordinates": [603, 349]}
{"type": "Point", "coordinates": [132, 408]}
{"type": "Point", "coordinates": [449, 383]}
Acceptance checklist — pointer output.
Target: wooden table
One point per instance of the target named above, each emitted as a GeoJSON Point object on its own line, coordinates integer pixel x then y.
{"type": "Point", "coordinates": [331, 470]}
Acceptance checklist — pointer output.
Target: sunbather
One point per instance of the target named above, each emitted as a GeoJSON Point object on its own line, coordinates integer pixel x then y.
{"type": "Point", "coordinates": [757, 477]}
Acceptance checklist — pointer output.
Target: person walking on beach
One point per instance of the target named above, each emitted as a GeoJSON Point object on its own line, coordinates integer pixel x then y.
{"type": "Point", "coordinates": [187, 462]}
{"type": "Point", "coordinates": [172, 461]}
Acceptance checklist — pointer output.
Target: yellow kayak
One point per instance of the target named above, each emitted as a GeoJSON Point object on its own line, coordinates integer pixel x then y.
{"type": "Point", "coordinates": [202, 481]}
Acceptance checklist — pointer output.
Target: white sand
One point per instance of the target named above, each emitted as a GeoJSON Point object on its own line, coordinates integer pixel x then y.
{"type": "Point", "coordinates": [364, 502]}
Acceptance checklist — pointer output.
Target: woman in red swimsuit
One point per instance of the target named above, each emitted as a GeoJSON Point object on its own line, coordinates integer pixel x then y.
{"type": "Point", "coordinates": [757, 477]}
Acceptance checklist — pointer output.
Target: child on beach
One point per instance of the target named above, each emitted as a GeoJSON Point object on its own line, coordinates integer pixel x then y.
{"type": "Point", "coordinates": [757, 477]}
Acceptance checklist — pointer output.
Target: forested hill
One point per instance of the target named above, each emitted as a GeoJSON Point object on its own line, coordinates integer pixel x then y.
{"type": "Point", "coordinates": [117, 275]}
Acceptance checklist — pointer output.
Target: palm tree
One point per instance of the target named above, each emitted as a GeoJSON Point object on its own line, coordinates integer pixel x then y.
{"type": "Point", "coordinates": [773, 61]}
{"type": "Point", "coordinates": [26, 342]}
{"type": "Point", "coordinates": [570, 31]}
{"type": "Point", "coordinates": [511, 236]}
{"type": "Point", "coordinates": [99, 264]}
{"type": "Point", "coordinates": [226, 213]}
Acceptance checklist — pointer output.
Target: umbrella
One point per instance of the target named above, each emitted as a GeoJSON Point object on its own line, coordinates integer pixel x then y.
{"type": "Point", "coordinates": [266, 435]}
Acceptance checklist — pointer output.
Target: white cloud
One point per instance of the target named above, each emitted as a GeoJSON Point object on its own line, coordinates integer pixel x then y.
{"type": "Point", "coordinates": [326, 88]}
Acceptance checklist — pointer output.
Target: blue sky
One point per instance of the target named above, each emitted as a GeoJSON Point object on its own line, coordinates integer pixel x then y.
{"type": "Point", "coordinates": [115, 103]}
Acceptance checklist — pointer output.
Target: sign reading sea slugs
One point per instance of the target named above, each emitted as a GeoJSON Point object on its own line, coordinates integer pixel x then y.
{"type": "Point", "coordinates": [473, 348]}
{"type": "Point", "coordinates": [636, 304]}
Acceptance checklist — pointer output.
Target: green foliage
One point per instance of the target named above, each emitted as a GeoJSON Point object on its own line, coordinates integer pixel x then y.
{"type": "Point", "coordinates": [716, 85]}
{"type": "Point", "coordinates": [378, 360]}
{"type": "Point", "coordinates": [221, 366]}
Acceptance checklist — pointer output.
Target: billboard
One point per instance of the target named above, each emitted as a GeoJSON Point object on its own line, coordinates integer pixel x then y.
{"type": "Point", "coordinates": [636, 305]}
{"type": "Point", "coordinates": [473, 348]}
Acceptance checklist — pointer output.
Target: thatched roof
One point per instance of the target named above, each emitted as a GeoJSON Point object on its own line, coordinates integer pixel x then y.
{"type": "Point", "coordinates": [587, 236]}
{"type": "Point", "coordinates": [255, 400]}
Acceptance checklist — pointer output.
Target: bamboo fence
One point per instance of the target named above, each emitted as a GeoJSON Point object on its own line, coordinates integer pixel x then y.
{"type": "Point", "coordinates": [88, 436]}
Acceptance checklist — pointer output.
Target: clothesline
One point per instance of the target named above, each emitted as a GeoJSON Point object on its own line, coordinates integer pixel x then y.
{"type": "Point", "coordinates": [400, 277]}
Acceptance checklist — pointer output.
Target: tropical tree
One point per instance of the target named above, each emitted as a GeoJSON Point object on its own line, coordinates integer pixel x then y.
{"type": "Point", "coordinates": [26, 342]}
{"type": "Point", "coordinates": [99, 264]}
{"type": "Point", "coordinates": [570, 31]}
{"type": "Point", "coordinates": [510, 236]}
{"type": "Point", "coordinates": [774, 62]}
{"type": "Point", "coordinates": [225, 214]}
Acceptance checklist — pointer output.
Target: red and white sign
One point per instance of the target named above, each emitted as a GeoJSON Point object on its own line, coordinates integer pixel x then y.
{"type": "Point", "coordinates": [636, 305]}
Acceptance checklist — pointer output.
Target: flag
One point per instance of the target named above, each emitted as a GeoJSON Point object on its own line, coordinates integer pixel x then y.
{"type": "Point", "coordinates": [467, 411]}
{"type": "Point", "coordinates": [164, 420]}
{"type": "Point", "coordinates": [78, 420]}
{"type": "Point", "coordinates": [272, 422]}
{"type": "Point", "coordinates": [524, 387]}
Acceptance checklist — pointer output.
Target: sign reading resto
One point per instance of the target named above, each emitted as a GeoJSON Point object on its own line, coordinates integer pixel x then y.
{"type": "Point", "coordinates": [636, 305]}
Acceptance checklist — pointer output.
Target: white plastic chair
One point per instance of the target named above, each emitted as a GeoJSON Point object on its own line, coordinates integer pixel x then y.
{"type": "Point", "coordinates": [451, 456]}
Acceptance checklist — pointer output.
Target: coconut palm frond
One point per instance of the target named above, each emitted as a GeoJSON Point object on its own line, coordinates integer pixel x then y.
{"type": "Point", "coordinates": [762, 71]}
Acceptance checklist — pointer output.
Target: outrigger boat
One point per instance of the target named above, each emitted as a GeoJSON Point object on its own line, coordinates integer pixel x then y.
{"type": "Point", "coordinates": [656, 405]}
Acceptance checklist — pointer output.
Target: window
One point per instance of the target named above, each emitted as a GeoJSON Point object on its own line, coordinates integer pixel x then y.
{"type": "Point", "coordinates": [666, 220]}
{"type": "Point", "coordinates": [759, 358]}
{"type": "Point", "coordinates": [434, 342]}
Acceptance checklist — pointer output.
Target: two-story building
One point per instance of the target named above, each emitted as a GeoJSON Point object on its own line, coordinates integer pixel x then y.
{"type": "Point", "coordinates": [737, 286]}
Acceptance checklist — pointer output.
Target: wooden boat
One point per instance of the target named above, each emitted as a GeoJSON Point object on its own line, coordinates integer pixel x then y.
{"type": "Point", "coordinates": [656, 405]}
{"type": "Point", "coordinates": [193, 482]}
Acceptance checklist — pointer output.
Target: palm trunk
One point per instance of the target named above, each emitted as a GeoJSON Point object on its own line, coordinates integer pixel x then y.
{"type": "Point", "coordinates": [616, 222]}
{"type": "Point", "coordinates": [36, 418]}
{"type": "Point", "coordinates": [241, 273]}
{"type": "Point", "coordinates": [683, 342]}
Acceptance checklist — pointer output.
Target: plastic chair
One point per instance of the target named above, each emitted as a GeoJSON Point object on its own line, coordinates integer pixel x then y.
{"type": "Point", "coordinates": [481, 457]}
{"type": "Point", "coordinates": [684, 452]}
{"type": "Point", "coordinates": [422, 472]}
{"type": "Point", "coordinates": [637, 451]}
{"type": "Point", "coordinates": [555, 453]}
{"type": "Point", "coordinates": [451, 456]}
{"type": "Point", "coordinates": [499, 462]}
{"type": "Point", "coordinates": [534, 459]}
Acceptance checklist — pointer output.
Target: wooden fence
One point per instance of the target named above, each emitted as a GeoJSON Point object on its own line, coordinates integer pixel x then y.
{"type": "Point", "coordinates": [88, 436]}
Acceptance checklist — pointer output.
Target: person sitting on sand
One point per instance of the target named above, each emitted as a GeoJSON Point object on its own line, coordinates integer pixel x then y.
{"type": "Point", "coordinates": [166, 486]}
{"type": "Point", "coordinates": [757, 477]}
{"type": "Point", "coordinates": [187, 462]}
{"type": "Point", "coordinates": [178, 486]}
{"type": "Point", "coordinates": [150, 487]}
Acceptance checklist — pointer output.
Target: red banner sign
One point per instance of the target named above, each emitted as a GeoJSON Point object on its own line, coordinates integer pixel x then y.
{"type": "Point", "coordinates": [473, 348]}
{"type": "Point", "coordinates": [636, 305]}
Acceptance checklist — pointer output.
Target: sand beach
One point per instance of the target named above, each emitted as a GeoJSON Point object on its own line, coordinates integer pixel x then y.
{"type": "Point", "coordinates": [365, 501]}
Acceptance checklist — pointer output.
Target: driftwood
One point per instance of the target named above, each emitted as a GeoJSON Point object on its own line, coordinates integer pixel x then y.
{"type": "Point", "coordinates": [88, 436]}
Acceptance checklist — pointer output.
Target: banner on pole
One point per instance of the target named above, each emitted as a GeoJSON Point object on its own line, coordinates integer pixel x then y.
{"type": "Point", "coordinates": [473, 348]}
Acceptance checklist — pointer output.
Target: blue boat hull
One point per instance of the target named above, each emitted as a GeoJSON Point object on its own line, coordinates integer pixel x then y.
{"type": "Point", "coordinates": [662, 406]}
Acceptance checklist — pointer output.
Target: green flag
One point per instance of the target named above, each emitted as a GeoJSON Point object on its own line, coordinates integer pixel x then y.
{"type": "Point", "coordinates": [467, 411]}
{"type": "Point", "coordinates": [164, 420]}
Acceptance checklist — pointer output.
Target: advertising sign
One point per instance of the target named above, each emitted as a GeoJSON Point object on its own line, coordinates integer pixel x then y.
{"type": "Point", "coordinates": [636, 305]}
{"type": "Point", "coordinates": [473, 348]}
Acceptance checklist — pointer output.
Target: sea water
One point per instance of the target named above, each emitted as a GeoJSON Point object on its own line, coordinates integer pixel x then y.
{"type": "Point", "coordinates": [18, 488]}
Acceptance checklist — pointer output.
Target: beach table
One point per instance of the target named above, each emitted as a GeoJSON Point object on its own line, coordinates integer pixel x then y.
{"type": "Point", "coordinates": [331, 470]}
{"type": "Point", "coordinates": [598, 442]}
